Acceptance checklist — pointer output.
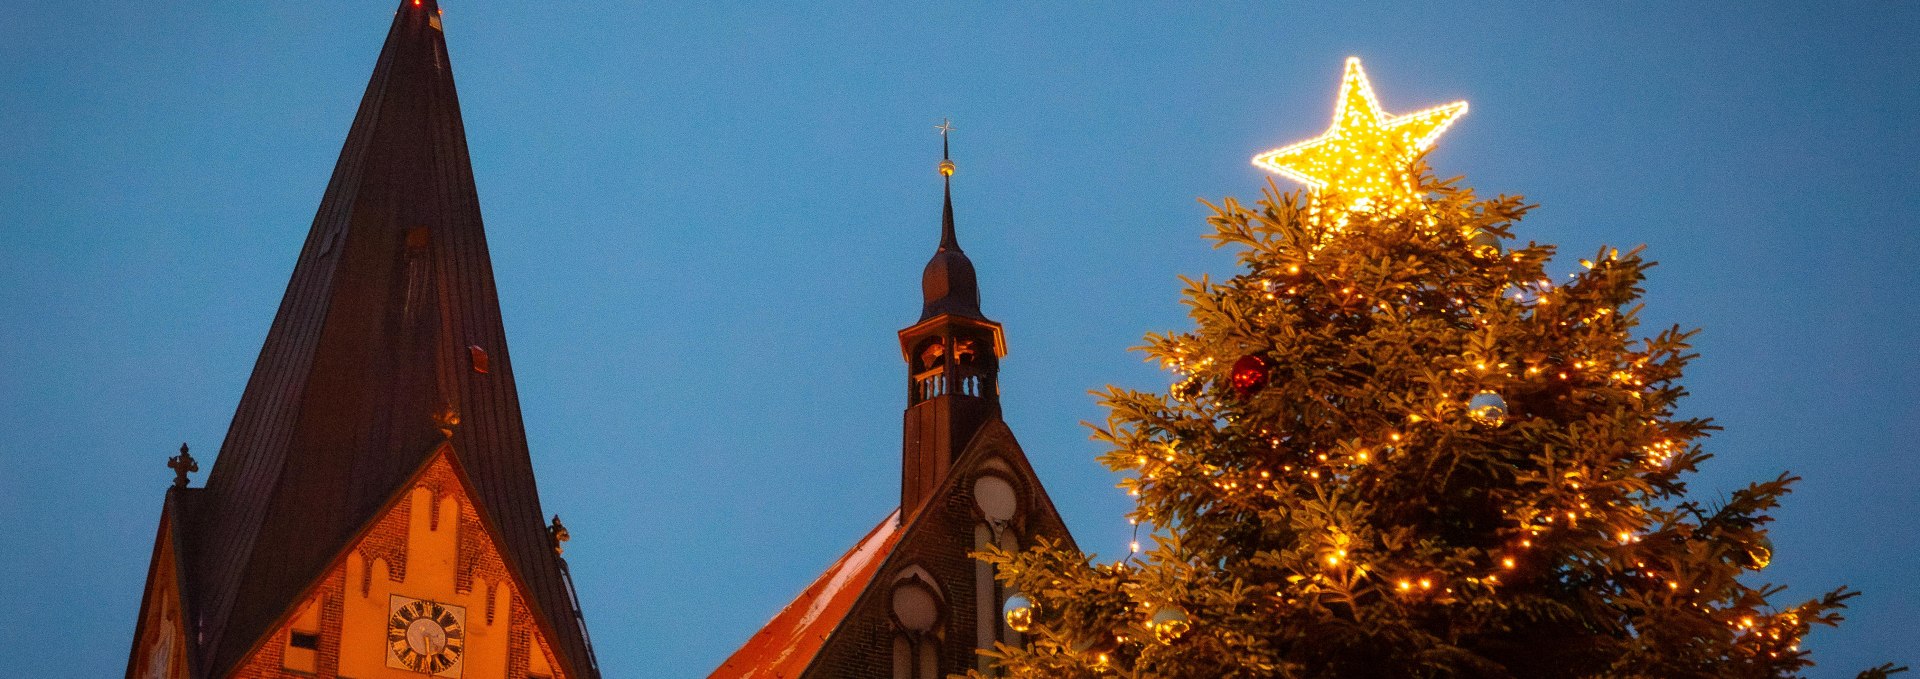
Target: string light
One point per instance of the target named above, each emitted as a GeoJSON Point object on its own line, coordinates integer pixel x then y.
{"type": "Point", "coordinates": [1362, 161]}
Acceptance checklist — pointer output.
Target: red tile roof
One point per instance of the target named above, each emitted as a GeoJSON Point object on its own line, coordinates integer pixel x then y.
{"type": "Point", "coordinates": [787, 644]}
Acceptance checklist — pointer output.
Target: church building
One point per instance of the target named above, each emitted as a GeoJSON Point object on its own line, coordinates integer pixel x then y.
{"type": "Point", "coordinates": [908, 601]}
{"type": "Point", "coordinates": [372, 513]}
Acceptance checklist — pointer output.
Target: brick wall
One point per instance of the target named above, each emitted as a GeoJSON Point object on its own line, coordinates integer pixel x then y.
{"type": "Point", "coordinates": [388, 540]}
{"type": "Point", "coordinates": [939, 542]}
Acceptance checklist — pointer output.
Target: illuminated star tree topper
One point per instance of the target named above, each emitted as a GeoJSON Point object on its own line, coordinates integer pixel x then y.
{"type": "Point", "coordinates": [1364, 160]}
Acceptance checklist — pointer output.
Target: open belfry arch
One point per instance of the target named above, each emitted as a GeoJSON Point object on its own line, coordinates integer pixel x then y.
{"type": "Point", "coordinates": [372, 512]}
{"type": "Point", "coordinates": [907, 601]}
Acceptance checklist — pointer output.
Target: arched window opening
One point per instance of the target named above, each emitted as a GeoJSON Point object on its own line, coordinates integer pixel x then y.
{"type": "Point", "coordinates": [917, 614]}
{"type": "Point", "coordinates": [997, 501]}
{"type": "Point", "coordinates": [966, 352]}
{"type": "Point", "coordinates": [930, 374]}
{"type": "Point", "coordinates": [933, 354]}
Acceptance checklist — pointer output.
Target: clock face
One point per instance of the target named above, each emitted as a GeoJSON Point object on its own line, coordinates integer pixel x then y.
{"type": "Point", "coordinates": [425, 636]}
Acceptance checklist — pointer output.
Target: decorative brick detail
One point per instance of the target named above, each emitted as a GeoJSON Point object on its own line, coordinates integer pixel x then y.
{"type": "Point", "coordinates": [940, 541]}
{"type": "Point", "coordinates": [387, 542]}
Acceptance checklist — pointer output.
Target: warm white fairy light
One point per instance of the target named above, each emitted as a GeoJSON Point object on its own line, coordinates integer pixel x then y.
{"type": "Point", "coordinates": [1364, 160]}
{"type": "Point", "coordinates": [1364, 163]}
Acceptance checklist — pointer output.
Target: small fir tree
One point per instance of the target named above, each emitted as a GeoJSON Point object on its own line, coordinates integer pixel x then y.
{"type": "Point", "coordinates": [1396, 449]}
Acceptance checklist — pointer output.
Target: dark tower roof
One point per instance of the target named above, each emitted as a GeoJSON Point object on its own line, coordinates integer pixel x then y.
{"type": "Point", "coordinates": [947, 284]}
{"type": "Point", "coordinates": [390, 327]}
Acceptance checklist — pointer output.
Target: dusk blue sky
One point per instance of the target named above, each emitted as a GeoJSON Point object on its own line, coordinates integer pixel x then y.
{"type": "Point", "coordinates": [708, 220]}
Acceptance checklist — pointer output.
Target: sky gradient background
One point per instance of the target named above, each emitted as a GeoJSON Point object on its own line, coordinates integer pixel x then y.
{"type": "Point", "coordinates": [707, 224]}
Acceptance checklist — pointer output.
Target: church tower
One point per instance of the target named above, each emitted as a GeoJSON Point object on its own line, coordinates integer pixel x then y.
{"type": "Point", "coordinates": [953, 358]}
{"type": "Point", "coordinates": [907, 601]}
{"type": "Point", "coordinates": [372, 512]}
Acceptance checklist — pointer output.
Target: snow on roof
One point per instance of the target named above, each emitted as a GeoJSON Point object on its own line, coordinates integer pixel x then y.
{"type": "Point", "coordinates": [784, 647]}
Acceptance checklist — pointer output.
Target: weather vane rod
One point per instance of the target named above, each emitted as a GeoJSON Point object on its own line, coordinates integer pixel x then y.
{"type": "Point", "coordinates": [946, 160]}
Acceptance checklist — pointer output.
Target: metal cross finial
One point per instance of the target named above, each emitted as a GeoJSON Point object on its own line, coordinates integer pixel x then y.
{"type": "Point", "coordinates": [559, 533]}
{"type": "Point", "coordinates": [182, 465]}
{"type": "Point", "coordinates": [946, 160]}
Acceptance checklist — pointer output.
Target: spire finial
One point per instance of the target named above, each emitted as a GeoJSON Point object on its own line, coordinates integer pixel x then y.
{"type": "Point", "coordinates": [948, 241]}
{"type": "Point", "coordinates": [182, 465]}
{"type": "Point", "coordinates": [559, 533]}
{"type": "Point", "coordinates": [946, 160]}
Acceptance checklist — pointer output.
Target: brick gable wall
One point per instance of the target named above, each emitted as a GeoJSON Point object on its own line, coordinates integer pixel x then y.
{"type": "Point", "coordinates": [939, 542]}
{"type": "Point", "coordinates": [387, 542]}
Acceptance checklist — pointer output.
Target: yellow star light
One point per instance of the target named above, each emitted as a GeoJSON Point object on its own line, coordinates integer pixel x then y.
{"type": "Point", "coordinates": [1364, 158]}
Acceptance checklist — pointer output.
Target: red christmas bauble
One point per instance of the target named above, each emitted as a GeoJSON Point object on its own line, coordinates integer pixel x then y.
{"type": "Point", "coordinates": [1249, 375]}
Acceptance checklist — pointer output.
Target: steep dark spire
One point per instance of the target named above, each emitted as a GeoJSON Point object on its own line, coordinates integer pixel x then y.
{"type": "Point", "coordinates": [948, 286]}
{"type": "Point", "coordinates": [948, 241]}
{"type": "Point", "coordinates": [388, 348]}
{"type": "Point", "coordinates": [953, 362]}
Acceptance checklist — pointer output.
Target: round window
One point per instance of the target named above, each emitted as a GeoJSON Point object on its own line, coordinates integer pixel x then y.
{"type": "Point", "coordinates": [996, 497]}
{"type": "Point", "coordinates": [915, 607]}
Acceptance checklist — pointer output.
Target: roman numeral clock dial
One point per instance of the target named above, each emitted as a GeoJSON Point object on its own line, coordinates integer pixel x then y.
{"type": "Point", "coordinates": [425, 636]}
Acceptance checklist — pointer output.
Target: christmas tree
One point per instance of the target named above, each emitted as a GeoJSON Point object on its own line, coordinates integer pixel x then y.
{"type": "Point", "coordinates": [1396, 448]}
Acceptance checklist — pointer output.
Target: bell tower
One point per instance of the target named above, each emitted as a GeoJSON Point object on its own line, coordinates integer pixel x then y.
{"type": "Point", "coordinates": [909, 601]}
{"type": "Point", "coordinates": [953, 362]}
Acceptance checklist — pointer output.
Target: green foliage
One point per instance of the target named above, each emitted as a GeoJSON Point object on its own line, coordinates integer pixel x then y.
{"type": "Point", "coordinates": [1348, 517]}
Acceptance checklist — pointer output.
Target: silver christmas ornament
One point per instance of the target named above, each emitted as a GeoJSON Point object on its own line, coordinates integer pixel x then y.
{"type": "Point", "coordinates": [1487, 408]}
{"type": "Point", "coordinates": [1168, 623]}
{"type": "Point", "coordinates": [1484, 243]}
{"type": "Point", "coordinates": [1019, 613]}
